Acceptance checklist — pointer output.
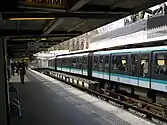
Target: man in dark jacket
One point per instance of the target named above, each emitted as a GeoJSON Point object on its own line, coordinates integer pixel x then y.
{"type": "Point", "coordinates": [12, 68]}
{"type": "Point", "coordinates": [22, 71]}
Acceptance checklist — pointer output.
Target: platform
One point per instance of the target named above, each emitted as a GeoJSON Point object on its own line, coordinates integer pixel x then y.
{"type": "Point", "coordinates": [46, 101]}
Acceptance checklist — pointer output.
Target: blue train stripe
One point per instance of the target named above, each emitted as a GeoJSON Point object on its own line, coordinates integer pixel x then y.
{"type": "Point", "coordinates": [115, 74]}
{"type": "Point", "coordinates": [124, 76]}
{"type": "Point", "coordinates": [159, 81]}
{"type": "Point", "coordinates": [50, 67]}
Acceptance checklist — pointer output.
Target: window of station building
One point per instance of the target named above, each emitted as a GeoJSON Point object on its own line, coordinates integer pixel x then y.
{"type": "Point", "coordinates": [160, 65]}
{"type": "Point", "coordinates": [120, 63]}
{"type": "Point", "coordinates": [144, 65]}
{"type": "Point", "coordinates": [134, 65]}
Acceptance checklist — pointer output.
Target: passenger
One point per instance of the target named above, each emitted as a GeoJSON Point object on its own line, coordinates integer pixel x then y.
{"type": "Point", "coordinates": [17, 67]}
{"type": "Point", "coordinates": [142, 68]}
{"type": "Point", "coordinates": [22, 71]}
{"type": "Point", "coordinates": [164, 70]}
{"type": "Point", "coordinates": [12, 68]}
{"type": "Point", "coordinates": [125, 67]}
{"type": "Point", "coordinates": [8, 72]}
{"type": "Point", "coordinates": [26, 64]}
{"type": "Point", "coordinates": [145, 68]}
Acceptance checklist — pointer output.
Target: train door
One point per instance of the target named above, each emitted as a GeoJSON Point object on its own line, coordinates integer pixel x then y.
{"type": "Point", "coordinates": [55, 65]}
{"type": "Point", "coordinates": [134, 70]}
{"type": "Point", "coordinates": [106, 67]}
{"type": "Point", "coordinates": [144, 67]}
{"type": "Point", "coordinates": [159, 71]}
{"type": "Point", "coordinates": [80, 65]}
{"type": "Point", "coordinates": [110, 66]}
{"type": "Point", "coordinates": [120, 68]}
{"type": "Point", "coordinates": [101, 66]}
{"type": "Point", "coordinates": [89, 64]}
{"type": "Point", "coordinates": [70, 64]}
{"type": "Point", "coordinates": [84, 65]}
{"type": "Point", "coordinates": [77, 65]}
{"type": "Point", "coordinates": [95, 68]}
{"type": "Point", "coordinates": [73, 65]}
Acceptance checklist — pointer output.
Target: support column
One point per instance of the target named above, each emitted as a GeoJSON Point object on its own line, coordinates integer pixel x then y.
{"type": "Point", "coordinates": [4, 100]}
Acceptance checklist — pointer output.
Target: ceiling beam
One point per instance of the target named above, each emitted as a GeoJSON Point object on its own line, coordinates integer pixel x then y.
{"type": "Point", "coordinates": [18, 50]}
{"type": "Point", "coordinates": [76, 6]}
{"type": "Point", "coordinates": [102, 9]}
{"type": "Point", "coordinates": [35, 33]}
{"type": "Point", "coordinates": [16, 46]}
{"type": "Point", "coordinates": [78, 25]}
{"type": "Point", "coordinates": [42, 36]}
{"type": "Point", "coordinates": [79, 4]}
{"type": "Point", "coordinates": [116, 3]}
{"type": "Point", "coordinates": [82, 15]}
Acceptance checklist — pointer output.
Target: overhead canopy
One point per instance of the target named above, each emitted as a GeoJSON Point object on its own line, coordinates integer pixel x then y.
{"type": "Point", "coordinates": [60, 20]}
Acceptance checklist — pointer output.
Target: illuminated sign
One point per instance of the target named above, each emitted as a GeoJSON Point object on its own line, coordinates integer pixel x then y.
{"type": "Point", "coordinates": [53, 4]}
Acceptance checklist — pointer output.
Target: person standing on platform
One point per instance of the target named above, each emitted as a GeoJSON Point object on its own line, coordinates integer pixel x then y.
{"type": "Point", "coordinates": [8, 73]}
{"type": "Point", "coordinates": [22, 71]}
{"type": "Point", "coordinates": [17, 67]}
{"type": "Point", "coordinates": [12, 68]}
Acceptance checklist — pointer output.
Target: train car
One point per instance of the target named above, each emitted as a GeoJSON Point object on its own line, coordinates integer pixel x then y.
{"type": "Point", "coordinates": [144, 67]}
{"type": "Point", "coordinates": [51, 63]}
{"type": "Point", "coordinates": [140, 71]}
{"type": "Point", "coordinates": [74, 63]}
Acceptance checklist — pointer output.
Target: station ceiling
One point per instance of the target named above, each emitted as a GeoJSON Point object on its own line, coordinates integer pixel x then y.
{"type": "Point", "coordinates": [62, 19]}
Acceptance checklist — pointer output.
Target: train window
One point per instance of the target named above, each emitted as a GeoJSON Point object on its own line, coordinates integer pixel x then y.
{"type": "Point", "coordinates": [73, 62]}
{"type": "Point", "coordinates": [95, 63]}
{"type": "Point", "coordinates": [101, 60]}
{"type": "Point", "coordinates": [79, 62]}
{"type": "Point", "coordinates": [64, 62]}
{"type": "Point", "coordinates": [67, 62]}
{"type": "Point", "coordinates": [53, 63]}
{"type": "Point", "coordinates": [101, 63]}
{"type": "Point", "coordinates": [84, 60]}
{"type": "Point", "coordinates": [134, 71]}
{"type": "Point", "coordinates": [120, 63]}
{"type": "Point", "coordinates": [106, 59]}
{"type": "Point", "coordinates": [144, 65]}
{"type": "Point", "coordinates": [106, 63]}
{"type": "Point", "coordinates": [160, 65]}
{"type": "Point", "coordinates": [59, 62]}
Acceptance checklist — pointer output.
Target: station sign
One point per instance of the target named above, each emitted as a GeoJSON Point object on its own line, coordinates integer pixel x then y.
{"type": "Point", "coordinates": [50, 4]}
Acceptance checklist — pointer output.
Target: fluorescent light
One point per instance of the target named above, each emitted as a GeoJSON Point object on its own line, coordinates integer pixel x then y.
{"type": "Point", "coordinates": [51, 18]}
{"type": "Point", "coordinates": [43, 38]}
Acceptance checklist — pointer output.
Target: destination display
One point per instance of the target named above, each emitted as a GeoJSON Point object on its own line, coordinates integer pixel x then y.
{"type": "Point", "coordinates": [53, 4]}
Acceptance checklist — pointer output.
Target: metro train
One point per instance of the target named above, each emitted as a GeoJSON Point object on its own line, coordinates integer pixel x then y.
{"type": "Point", "coordinates": [141, 72]}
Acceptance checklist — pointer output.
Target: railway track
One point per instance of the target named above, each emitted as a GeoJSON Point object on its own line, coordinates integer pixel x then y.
{"type": "Point", "coordinates": [152, 112]}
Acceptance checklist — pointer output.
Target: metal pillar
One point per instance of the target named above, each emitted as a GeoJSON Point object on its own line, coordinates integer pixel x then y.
{"type": "Point", "coordinates": [4, 100]}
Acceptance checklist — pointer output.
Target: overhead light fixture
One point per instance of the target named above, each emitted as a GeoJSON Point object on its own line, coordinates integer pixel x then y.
{"type": "Point", "coordinates": [49, 18]}
{"type": "Point", "coordinates": [43, 38]}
